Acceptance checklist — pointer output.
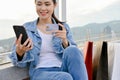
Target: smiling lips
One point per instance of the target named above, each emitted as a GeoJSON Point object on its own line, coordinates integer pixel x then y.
{"type": "Point", "coordinates": [43, 13]}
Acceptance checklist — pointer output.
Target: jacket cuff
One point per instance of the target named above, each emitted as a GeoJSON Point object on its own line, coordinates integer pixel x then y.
{"type": "Point", "coordinates": [27, 57]}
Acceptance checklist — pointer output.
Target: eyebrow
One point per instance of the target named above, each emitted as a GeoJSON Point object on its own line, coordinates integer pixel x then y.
{"type": "Point", "coordinates": [44, 2]}
{"type": "Point", "coordinates": [39, 2]}
{"type": "Point", "coordinates": [47, 2]}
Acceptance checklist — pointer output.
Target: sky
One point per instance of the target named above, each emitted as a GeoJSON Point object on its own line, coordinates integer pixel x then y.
{"type": "Point", "coordinates": [90, 11]}
{"type": "Point", "coordinates": [17, 9]}
{"type": "Point", "coordinates": [79, 13]}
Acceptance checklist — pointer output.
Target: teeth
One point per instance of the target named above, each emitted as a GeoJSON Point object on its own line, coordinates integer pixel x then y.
{"type": "Point", "coordinates": [43, 12]}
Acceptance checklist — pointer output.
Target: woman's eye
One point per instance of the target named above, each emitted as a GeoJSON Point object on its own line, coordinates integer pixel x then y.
{"type": "Point", "coordinates": [47, 4]}
{"type": "Point", "coordinates": [39, 4]}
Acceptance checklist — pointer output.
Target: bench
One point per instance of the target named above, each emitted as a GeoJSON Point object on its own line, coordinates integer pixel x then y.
{"type": "Point", "coordinates": [13, 73]}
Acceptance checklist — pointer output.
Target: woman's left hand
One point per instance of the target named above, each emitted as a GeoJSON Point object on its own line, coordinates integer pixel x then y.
{"type": "Point", "coordinates": [62, 34]}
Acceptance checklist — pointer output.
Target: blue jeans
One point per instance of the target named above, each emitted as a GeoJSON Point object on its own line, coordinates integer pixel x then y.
{"type": "Point", "coordinates": [73, 68]}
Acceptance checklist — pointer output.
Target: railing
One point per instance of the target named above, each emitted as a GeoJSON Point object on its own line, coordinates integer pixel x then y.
{"type": "Point", "coordinates": [4, 59]}
{"type": "Point", "coordinates": [97, 38]}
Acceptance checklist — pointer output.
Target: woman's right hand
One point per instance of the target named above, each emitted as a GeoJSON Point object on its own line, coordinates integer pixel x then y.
{"type": "Point", "coordinates": [22, 48]}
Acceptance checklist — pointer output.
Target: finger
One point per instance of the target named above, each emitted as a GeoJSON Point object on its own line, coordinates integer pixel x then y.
{"type": "Point", "coordinates": [19, 40]}
{"type": "Point", "coordinates": [57, 34]}
{"type": "Point", "coordinates": [26, 42]}
{"type": "Point", "coordinates": [29, 44]}
{"type": "Point", "coordinates": [16, 42]}
{"type": "Point", "coordinates": [60, 33]}
{"type": "Point", "coordinates": [63, 28]}
{"type": "Point", "coordinates": [60, 36]}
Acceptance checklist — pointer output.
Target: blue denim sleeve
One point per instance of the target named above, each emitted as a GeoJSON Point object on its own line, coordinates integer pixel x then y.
{"type": "Point", "coordinates": [69, 35]}
{"type": "Point", "coordinates": [26, 58]}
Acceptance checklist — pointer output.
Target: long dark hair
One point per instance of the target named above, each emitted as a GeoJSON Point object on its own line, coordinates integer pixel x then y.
{"type": "Point", "coordinates": [53, 15]}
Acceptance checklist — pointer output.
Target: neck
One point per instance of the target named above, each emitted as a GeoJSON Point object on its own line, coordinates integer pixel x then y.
{"type": "Point", "coordinates": [45, 21]}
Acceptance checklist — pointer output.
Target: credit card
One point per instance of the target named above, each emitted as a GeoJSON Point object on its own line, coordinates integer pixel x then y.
{"type": "Point", "coordinates": [51, 27]}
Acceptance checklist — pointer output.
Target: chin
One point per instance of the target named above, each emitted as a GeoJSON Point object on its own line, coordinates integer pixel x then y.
{"type": "Point", "coordinates": [44, 17]}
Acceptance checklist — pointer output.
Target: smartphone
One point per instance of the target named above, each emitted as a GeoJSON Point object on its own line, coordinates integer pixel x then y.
{"type": "Point", "coordinates": [18, 29]}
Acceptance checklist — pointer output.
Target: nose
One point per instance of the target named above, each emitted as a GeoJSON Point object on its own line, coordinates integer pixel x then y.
{"type": "Point", "coordinates": [43, 7]}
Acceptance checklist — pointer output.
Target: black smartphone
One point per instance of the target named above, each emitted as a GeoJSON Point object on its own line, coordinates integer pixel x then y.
{"type": "Point", "coordinates": [18, 29]}
{"type": "Point", "coordinates": [60, 28]}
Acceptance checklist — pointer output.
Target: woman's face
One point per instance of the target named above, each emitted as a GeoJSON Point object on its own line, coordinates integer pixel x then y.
{"type": "Point", "coordinates": [44, 8]}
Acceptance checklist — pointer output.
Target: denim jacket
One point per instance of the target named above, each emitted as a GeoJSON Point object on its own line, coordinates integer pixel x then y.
{"type": "Point", "coordinates": [31, 57]}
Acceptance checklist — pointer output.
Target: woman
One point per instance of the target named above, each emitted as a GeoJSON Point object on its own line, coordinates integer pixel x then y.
{"type": "Point", "coordinates": [50, 55]}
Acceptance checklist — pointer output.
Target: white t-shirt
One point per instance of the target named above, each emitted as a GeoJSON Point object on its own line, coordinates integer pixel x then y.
{"type": "Point", "coordinates": [48, 57]}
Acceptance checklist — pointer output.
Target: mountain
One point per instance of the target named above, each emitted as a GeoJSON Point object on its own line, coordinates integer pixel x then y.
{"type": "Point", "coordinates": [95, 29]}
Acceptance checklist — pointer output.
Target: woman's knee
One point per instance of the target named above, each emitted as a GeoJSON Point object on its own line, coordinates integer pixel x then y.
{"type": "Point", "coordinates": [72, 51]}
{"type": "Point", "coordinates": [65, 76]}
